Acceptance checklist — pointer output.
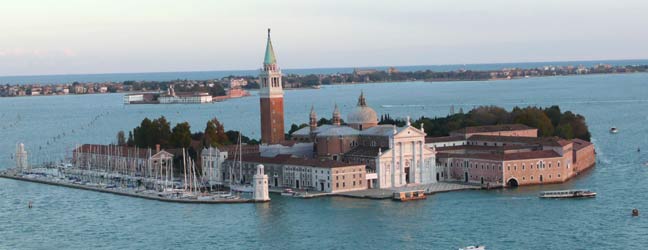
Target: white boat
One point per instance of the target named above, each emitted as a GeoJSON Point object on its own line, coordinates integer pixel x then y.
{"type": "Point", "coordinates": [288, 192]}
{"type": "Point", "coordinates": [473, 248]}
{"type": "Point", "coordinates": [614, 130]}
{"type": "Point", "coordinates": [573, 193]}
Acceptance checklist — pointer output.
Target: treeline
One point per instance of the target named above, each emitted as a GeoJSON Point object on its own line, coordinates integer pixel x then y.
{"type": "Point", "coordinates": [550, 121]}
{"type": "Point", "coordinates": [159, 132]}
{"type": "Point", "coordinates": [383, 76]}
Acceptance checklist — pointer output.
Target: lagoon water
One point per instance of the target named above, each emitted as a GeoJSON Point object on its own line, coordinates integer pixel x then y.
{"type": "Point", "coordinates": [501, 219]}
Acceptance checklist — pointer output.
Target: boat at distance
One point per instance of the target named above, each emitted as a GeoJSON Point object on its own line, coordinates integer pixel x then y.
{"type": "Point", "coordinates": [614, 130]}
{"type": "Point", "coordinates": [572, 193]}
{"type": "Point", "coordinates": [409, 195]}
{"type": "Point", "coordinates": [473, 248]}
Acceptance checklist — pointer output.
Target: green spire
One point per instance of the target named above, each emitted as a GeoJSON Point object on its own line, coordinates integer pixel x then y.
{"type": "Point", "coordinates": [269, 54]}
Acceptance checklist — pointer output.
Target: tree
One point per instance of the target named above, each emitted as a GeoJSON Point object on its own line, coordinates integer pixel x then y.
{"type": "Point", "coordinates": [131, 141]}
{"type": "Point", "coordinates": [181, 135]}
{"type": "Point", "coordinates": [121, 138]}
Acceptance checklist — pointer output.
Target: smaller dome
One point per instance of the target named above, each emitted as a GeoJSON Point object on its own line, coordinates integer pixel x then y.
{"type": "Point", "coordinates": [362, 115]}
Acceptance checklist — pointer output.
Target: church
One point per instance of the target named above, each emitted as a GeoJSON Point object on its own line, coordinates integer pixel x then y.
{"type": "Point", "coordinates": [335, 157]}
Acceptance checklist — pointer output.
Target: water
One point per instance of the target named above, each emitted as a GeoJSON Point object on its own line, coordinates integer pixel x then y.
{"type": "Point", "coordinates": [501, 219]}
{"type": "Point", "coordinates": [204, 75]}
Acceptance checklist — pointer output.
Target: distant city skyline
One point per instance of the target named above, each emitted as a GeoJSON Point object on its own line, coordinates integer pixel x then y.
{"type": "Point", "coordinates": [86, 37]}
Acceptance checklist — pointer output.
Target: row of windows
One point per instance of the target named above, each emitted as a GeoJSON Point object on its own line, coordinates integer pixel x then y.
{"type": "Point", "coordinates": [539, 165]}
{"type": "Point", "coordinates": [541, 179]}
{"type": "Point", "coordinates": [337, 185]}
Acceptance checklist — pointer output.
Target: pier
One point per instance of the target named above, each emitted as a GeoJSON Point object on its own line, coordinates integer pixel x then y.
{"type": "Point", "coordinates": [9, 175]}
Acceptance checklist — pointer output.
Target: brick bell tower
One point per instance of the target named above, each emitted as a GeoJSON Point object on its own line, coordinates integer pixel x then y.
{"type": "Point", "coordinates": [271, 93]}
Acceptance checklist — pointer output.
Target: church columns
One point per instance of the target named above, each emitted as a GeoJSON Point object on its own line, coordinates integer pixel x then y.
{"type": "Point", "coordinates": [414, 168]}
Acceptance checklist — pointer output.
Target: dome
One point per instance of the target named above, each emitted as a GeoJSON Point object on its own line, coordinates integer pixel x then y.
{"type": "Point", "coordinates": [362, 115]}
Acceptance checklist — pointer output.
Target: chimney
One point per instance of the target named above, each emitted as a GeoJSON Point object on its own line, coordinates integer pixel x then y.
{"type": "Point", "coordinates": [157, 148]}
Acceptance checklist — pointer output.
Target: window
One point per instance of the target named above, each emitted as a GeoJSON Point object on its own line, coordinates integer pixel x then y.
{"type": "Point", "coordinates": [343, 184]}
{"type": "Point", "coordinates": [337, 185]}
{"type": "Point", "coordinates": [354, 182]}
{"type": "Point", "coordinates": [532, 177]}
{"type": "Point", "coordinates": [360, 182]}
{"type": "Point", "coordinates": [558, 166]}
{"type": "Point", "coordinates": [522, 166]}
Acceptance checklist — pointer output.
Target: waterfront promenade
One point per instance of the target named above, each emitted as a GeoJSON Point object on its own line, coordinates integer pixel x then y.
{"type": "Point", "coordinates": [432, 188]}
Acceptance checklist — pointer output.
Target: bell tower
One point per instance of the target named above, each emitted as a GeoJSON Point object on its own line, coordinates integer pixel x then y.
{"type": "Point", "coordinates": [271, 93]}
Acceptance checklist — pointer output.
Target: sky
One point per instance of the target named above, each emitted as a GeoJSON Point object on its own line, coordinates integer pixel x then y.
{"type": "Point", "coordinates": [42, 37]}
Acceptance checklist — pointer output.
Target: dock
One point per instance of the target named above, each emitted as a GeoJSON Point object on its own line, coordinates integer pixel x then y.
{"type": "Point", "coordinates": [7, 175]}
{"type": "Point", "coordinates": [433, 188]}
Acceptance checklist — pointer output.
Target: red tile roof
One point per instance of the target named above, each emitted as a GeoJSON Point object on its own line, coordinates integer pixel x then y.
{"type": "Point", "coordinates": [504, 156]}
{"type": "Point", "coordinates": [444, 139]}
{"type": "Point", "coordinates": [493, 128]}
{"type": "Point", "coordinates": [580, 144]}
{"type": "Point", "coordinates": [545, 141]}
{"type": "Point", "coordinates": [284, 159]}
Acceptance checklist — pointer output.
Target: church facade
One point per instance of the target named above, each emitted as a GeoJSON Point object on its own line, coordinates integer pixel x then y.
{"type": "Point", "coordinates": [396, 156]}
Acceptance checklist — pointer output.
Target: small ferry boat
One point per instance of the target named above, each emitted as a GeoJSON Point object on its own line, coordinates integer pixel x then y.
{"type": "Point", "coordinates": [473, 248]}
{"type": "Point", "coordinates": [409, 195]}
{"type": "Point", "coordinates": [288, 192]}
{"type": "Point", "coordinates": [574, 193]}
{"type": "Point", "coordinates": [614, 130]}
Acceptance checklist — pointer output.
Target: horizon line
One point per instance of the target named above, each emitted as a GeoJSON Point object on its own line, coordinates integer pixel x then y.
{"type": "Point", "coordinates": [312, 68]}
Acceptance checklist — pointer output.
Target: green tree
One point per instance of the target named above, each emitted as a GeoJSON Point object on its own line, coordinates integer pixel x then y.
{"type": "Point", "coordinates": [121, 138]}
{"type": "Point", "coordinates": [181, 135]}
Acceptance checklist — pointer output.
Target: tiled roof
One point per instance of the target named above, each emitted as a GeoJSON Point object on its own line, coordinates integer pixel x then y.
{"type": "Point", "coordinates": [115, 150]}
{"type": "Point", "coordinates": [284, 159]}
{"type": "Point", "coordinates": [444, 139]}
{"type": "Point", "coordinates": [580, 144]}
{"type": "Point", "coordinates": [338, 131]}
{"type": "Point", "coordinates": [540, 154]}
{"type": "Point", "coordinates": [546, 141]}
{"type": "Point", "coordinates": [493, 128]}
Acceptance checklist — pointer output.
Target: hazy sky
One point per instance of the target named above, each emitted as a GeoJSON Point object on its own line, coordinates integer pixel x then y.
{"type": "Point", "coordinates": [106, 36]}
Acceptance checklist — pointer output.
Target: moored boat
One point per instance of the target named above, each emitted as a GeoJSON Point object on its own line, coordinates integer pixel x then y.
{"type": "Point", "coordinates": [409, 195]}
{"type": "Point", "coordinates": [573, 193]}
{"type": "Point", "coordinates": [288, 192]}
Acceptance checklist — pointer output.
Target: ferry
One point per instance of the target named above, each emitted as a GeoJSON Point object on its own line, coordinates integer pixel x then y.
{"type": "Point", "coordinates": [409, 195]}
{"type": "Point", "coordinates": [575, 193]}
{"type": "Point", "coordinates": [614, 130]}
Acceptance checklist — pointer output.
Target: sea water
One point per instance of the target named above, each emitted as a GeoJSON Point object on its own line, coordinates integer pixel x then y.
{"type": "Point", "coordinates": [66, 218]}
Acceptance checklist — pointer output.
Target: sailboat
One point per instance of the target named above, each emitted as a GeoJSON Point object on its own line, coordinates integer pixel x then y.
{"type": "Point", "coordinates": [238, 156]}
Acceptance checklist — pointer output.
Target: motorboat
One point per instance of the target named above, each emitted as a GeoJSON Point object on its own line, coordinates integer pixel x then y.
{"type": "Point", "coordinates": [473, 248]}
{"type": "Point", "coordinates": [573, 193]}
{"type": "Point", "coordinates": [409, 195]}
{"type": "Point", "coordinates": [614, 130]}
{"type": "Point", "coordinates": [288, 192]}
